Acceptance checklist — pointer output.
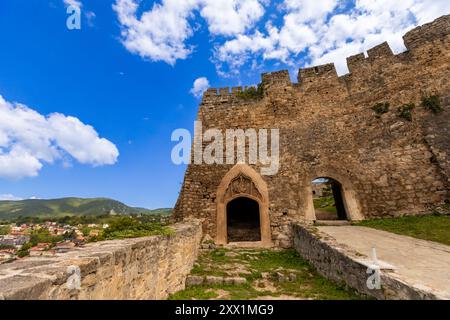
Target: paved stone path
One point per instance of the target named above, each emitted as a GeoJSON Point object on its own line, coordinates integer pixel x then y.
{"type": "Point", "coordinates": [418, 262]}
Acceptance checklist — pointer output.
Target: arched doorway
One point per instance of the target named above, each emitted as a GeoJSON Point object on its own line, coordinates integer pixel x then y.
{"type": "Point", "coordinates": [243, 200]}
{"type": "Point", "coordinates": [243, 220]}
{"type": "Point", "coordinates": [329, 201]}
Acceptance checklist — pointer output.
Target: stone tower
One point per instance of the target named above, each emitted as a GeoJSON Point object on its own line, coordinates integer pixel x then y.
{"type": "Point", "coordinates": [388, 162]}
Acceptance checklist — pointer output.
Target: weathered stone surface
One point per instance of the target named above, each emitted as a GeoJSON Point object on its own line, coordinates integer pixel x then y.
{"type": "Point", "coordinates": [143, 268]}
{"type": "Point", "coordinates": [214, 280]}
{"type": "Point", "coordinates": [194, 281]}
{"type": "Point", "coordinates": [235, 280]}
{"type": "Point", "coordinates": [420, 263]}
{"type": "Point", "coordinates": [339, 261]}
{"type": "Point", "coordinates": [387, 165]}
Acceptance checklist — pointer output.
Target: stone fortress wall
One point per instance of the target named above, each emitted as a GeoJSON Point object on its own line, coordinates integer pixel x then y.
{"type": "Point", "coordinates": [134, 269]}
{"type": "Point", "coordinates": [387, 166]}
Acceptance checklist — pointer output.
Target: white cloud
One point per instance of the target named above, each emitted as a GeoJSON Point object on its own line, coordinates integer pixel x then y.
{"type": "Point", "coordinates": [316, 31]}
{"type": "Point", "coordinates": [323, 34]}
{"type": "Point", "coordinates": [199, 87]}
{"type": "Point", "coordinates": [28, 140]}
{"type": "Point", "coordinates": [231, 17]}
{"type": "Point", "coordinates": [428, 10]}
{"type": "Point", "coordinates": [161, 33]}
{"type": "Point", "coordinates": [73, 3]}
{"type": "Point", "coordinates": [9, 197]}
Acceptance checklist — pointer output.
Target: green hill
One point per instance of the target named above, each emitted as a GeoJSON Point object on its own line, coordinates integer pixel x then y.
{"type": "Point", "coordinates": [70, 207]}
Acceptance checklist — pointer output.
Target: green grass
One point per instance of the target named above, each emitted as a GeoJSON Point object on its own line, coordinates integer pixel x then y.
{"type": "Point", "coordinates": [128, 227]}
{"type": "Point", "coordinates": [4, 230]}
{"type": "Point", "coordinates": [308, 284]}
{"type": "Point", "coordinates": [219, 255]}
{"type": "Point", "coordinates": [243, 292]}
{"type": "Point", "coordinates": [270, 260]}
{"type": "Point", "coordinates": [325, 204]}
{"type": "Point", "coordinates": [199, 270]}
{"type": "Point", "coordinates": [316, 287]}
{"type": "Point", "coordinates": [197, 292]}
{"type": "Point", "coordinates": [255, 275]}
{"type": "Point", "coordinates": [433, 228]}
{"type": "Point", "coordinates": [206, 292]}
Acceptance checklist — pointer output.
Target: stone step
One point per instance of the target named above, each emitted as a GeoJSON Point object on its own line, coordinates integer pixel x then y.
{"type": "Point", "coordinates": [247, 245]}
{"type": "Point", "coordinates": [332, 223]}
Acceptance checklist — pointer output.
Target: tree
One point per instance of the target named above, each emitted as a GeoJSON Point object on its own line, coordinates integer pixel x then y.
{"type": "Point", "coordinates": [24, 250]}
{"type": "Point", "coordinates": [4, 230]}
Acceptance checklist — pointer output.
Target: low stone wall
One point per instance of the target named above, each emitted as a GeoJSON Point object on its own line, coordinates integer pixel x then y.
{"type": "Point", "coordinates": [144, 268]}
{"type": "Point", "coordinates": [342, 265]}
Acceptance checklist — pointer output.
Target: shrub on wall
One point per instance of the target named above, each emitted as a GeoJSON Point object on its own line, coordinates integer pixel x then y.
{"type": "Point", "coordinates": [432, 103]}
{"type": "Point", "coordinates": [405, 111]}
{"type": "Point", "coordinates": [381, 108]}
{"type": "Point", "coordinates": [252, 93]}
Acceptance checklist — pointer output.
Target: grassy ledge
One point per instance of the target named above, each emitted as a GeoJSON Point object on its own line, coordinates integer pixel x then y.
{"type": "Point", "coordinates": [432, 228]}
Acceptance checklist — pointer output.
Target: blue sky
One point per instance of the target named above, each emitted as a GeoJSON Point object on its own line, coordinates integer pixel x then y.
{"type": "Point", "coordinates": [122, 83]}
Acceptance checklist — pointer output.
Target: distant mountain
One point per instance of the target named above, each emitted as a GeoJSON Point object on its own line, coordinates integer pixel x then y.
{"type": "Point", "coordinates": [70, 207]}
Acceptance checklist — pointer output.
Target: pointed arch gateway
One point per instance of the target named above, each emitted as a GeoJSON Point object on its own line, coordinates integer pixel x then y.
{"type": "Point", "coordinates": [242, 184]}
{"type": "Point", "coordinates": [349, 201]}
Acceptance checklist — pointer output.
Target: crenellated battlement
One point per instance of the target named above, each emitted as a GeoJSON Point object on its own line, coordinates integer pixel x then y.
{"type": "Point", "coordinates": [380, 51]}
{"type": "Point", "coordinates": [323, 77]}
{"type": "Point", "coordinates": [438, 29]}
{"type": "Point", "coordinates": [278, 77]}
{"type": "Point", "coordinates": [271, 78]}
{"type": "Point", "coordinates": [356, 62]}
{"type": "Point", "coordinates": [317, 72]}
{"type": "Point", "coordinates": [223, 92]}
{"type": "Point", "coordinates": [376, 56]}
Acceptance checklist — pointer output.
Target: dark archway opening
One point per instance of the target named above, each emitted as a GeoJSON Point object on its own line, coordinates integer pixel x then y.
{"type": "Point", "coordinates": [243, 220]}
{"type": "Point", "coordinates": [328, 200]}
